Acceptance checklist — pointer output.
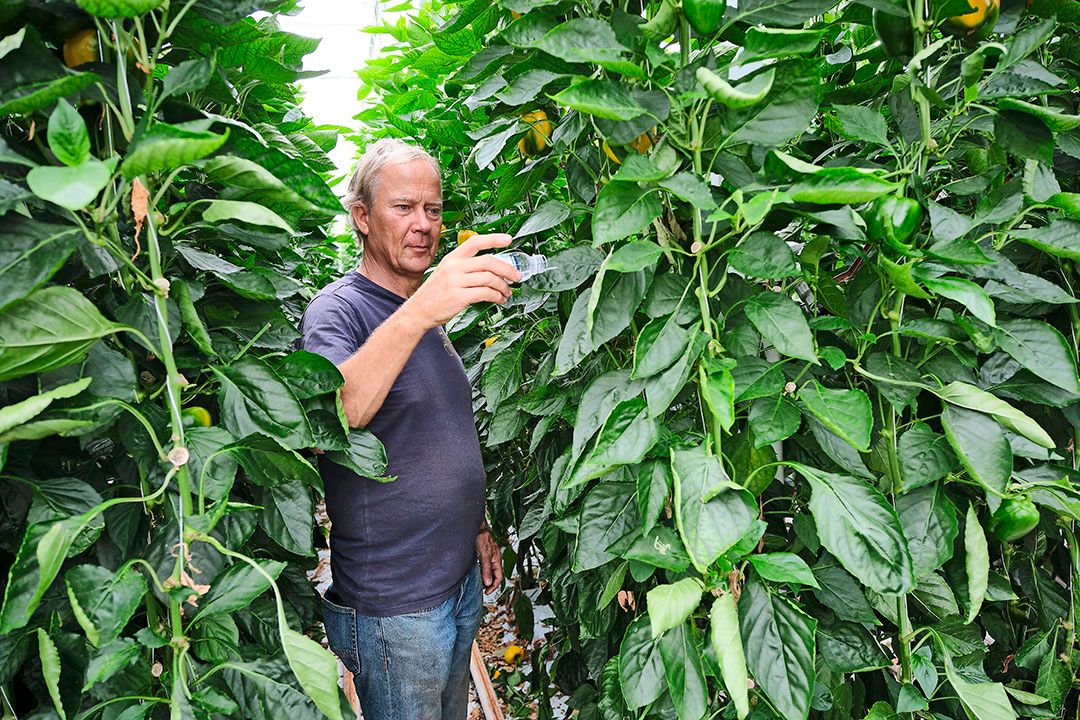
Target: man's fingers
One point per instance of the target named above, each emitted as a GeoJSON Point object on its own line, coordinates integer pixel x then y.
{"type": "Point", "coordinates": [483, 294]}
{"type": "Point", "coordinates": [493, 265]}
{"type": "Point", "coordinates": [487, 279]}
{"type": "Point", "coordinates": [481, 242]}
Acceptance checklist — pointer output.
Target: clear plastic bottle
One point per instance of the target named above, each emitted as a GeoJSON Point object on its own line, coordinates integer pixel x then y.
{"type": "Point", "coordinates": [528, 265]}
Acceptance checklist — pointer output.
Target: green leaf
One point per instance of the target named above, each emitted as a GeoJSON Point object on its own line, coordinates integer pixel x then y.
{"type": "Point", "coordinates": [773, 419]}
{"type": "Point", "coordinates": [718, 389]}
{"type": "Point", "coordinates": [111, 659]}
{"type": "Point", "coordinates": [691, 188]}
{"type": "Point", "coordinates": [857, 524]}
{"type": "Point", "coordinates": [924, 456]}
{"type": "Point", "coordinates": [104, 601]}
{"type": "Point", "coordinates": [187, 77]}
{"type": "Point", "coordinates": [269, 463]}
{"type": "Point", "coordinates": [34, 96]}
{"type": "Point", "coordinates": [193, 324]}
{"type": "Point", "coordinates": [254, 399]}
{"type": "Point", "coordinates": [288, 516]}
{"type": "Point", "coordinates": [118, 8]}
{"type": "Point", "coordinates": [981, 446]}
{"type": "Point", "coordinates": [634, 256]}
{"type": "Point", "coordinates": [981, 700]}
{"type": "Point", "coordinates": [785, 112]}
{"type": "Point", "coordinates": [366, 455]}
{"type": "Point", "coordinates": [684, 673]}
{"type": "Point", "coordinates": [659, 344]}
{"type": "Point", "coordinates": [568, 269]}
{"type": "Point", "coordinates": [930, 526]}
{"type": "Point", "coordinates": [974, 398]}
{"type": "Point", "coordinates": [846, 412]}
{"type": "Point", "coordinates": [588, 40]}
{"type": "Point", "coordinates": [863, 123]}
{"type": "Point", "coordinates": [782, 323]}
{"type": "Point", "coordinates": [51, 328]}
{"type": "Point", "coordinates": [72, 188]}
{"type": "Point", "coordinates": [1060, 237]}
{"type": "Point", "coordinates": [18, 413]}
{"type": "Point", "coordinates": [661, 547]}
{"type": "Point", "coordinates": [315, 667]}
{"type": "Point", "coordinates": [965, 292]}
{"type": "Point", "coordinates": [711, 512]}
{"type": "Point", "coordinates": [727, 644]}
{"type": "Point", "coordinates": [763, 255]}
{"type": "Point", "coordinates": [1041, 349]}
{"type": "Point", "coordinates": [50, 668]}
{"type": "Point", "coordinates": [599, 399]}
{"type": "Point", "coordinates": [654, 485]}
{"type": "Point", "coordinates": [976, 563]}
{"type": "Point", "coordinates": [608, 513]}
{"type": "Point", "coordinates": [623, 209]}
{"type": "Point", "coordinates": [783, 567]}
{"type": "Point", "coordinates": [244, 211]}
{"type": "Point", "coordinates": [602, 98]}
{"type": "Point", "coordinates": [237, 587]}
{"type": "Point", "coordinates": [670, 605]}
{"type": "Point", "coordinates": [778, 639]}
{"type": "Point", "coordinates": [830, 186]}
{"type": "Point", "coordinates": [627, 434]}
{"type": "Point", "coordinates": [641, 667]}
{"type": "Point", "coordinates": [848, 647]}
{"type": "Point", "coordinates": [166, 147]}
{"type": "Point", "coordinates": [68, 138]}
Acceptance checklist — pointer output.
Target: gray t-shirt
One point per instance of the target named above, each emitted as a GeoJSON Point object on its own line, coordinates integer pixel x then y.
{"type": "Point", "coordinates": [403, 546]}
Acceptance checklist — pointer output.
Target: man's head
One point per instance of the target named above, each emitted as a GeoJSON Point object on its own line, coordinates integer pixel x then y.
{"type": "Point", "coordinates": [395, 206]}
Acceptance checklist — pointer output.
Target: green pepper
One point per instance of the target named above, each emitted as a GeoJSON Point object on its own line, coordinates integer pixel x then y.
{"type": "Point", "coordinates": [662, 24]}
{"type": "Point", "coordinates": [705, 16]}
{"type": "Point", "coordinates": [895, 34]}
{"type": "Point", "coordinates": [1014, 519]}
{"type": "Point", "coordinates": [893, 220]}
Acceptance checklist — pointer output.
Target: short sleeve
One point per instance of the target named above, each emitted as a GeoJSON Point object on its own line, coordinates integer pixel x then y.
{"type": "Point", "coordinates": [332, 328]}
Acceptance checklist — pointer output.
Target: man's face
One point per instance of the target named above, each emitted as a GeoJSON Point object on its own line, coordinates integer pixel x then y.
{"type": "Point", "coordinates": [402, 226]}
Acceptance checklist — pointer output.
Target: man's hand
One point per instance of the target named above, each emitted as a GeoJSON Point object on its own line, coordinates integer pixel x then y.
{"type": "Point", "coordinates": [462, 279]}
{"type": "Point", "coordinates": [490, 554]}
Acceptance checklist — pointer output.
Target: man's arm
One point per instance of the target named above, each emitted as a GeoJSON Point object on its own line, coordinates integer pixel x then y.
{"type": "Point", "coordinates": [461, 279]}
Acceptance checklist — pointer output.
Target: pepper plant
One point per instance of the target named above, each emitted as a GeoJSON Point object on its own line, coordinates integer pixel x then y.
{"type": "Point", "coordinates": [164, 207]}
{"type": "Point", "coordinates": [803, 379]}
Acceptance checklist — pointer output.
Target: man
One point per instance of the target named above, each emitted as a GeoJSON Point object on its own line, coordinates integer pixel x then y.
{"type": "Point", "coordinates": [406, 598]}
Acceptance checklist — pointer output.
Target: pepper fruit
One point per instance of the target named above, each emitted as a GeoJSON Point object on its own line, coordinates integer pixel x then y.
{"type": "Point", "coordinates": [894, 32]}
{"type": "Point", "coordinates": [893, 220]}
{"type": "Point", "coordinates": [975, 25]}
{"type": "Point", "coordinates": [641, 144]}
{"type": "Point", "coordinates": [705, 16]}
{"type": "Point", "coordinates": [195, 416]}
{"type": "Point", "coordinates": [663, 23]}
{"type": "Point", "coordinates": [81, 48]}
{"type": "Point", "coordinates": [1014, 518]}
{"type": "Point", "coordinates": [464, 235]}
{"type": "Point", "coordinates": [537, 140]}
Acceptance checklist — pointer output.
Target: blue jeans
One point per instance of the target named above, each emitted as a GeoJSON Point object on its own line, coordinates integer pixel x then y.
{"type": "Point", "coordinates": [413, 666]}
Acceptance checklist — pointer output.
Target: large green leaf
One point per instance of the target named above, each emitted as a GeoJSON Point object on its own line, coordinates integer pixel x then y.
{"type": "Point", "coordinates": [237, 587]}
{"type": "Point", "coordinates": [846, 412]}
{"type": "Point", "coordinates": [288, 516]}
{"type": "Point", "coordinates": [727, 644]}
{"type": "Point", "coordinates": [641, 667]}
{"type": "Point", "coordinates": [924, 456]}
{"type": "Point", "coordinates": [782, 323]}
{"type": "Point", "coordinates": [68, 138]}
{"type": "Point", "coordinates": [602, 98]}
{"type": "Point", "coordinates": [14, 415]}
{"type": "Point", "coordinates": [857, 525]}
{"type": "Point", "coordinates": [42, 551]}
{"type": "Point", "coordinates": [684, 672]}
{"type": "Point", "coordinates": [778, 639]}
{"type": "Point", "coordinates": [269, 463]}
{"type": "Point", "coordinates": [623, 209]}
{"type": "Point", "coordinates": [1042, 350]}
{"type": "Point", "coordinates": [165, 147]}
{"type": "Point", "coordinates": [1060, 237]}
{"type": "Point", "coordinates": [711, 512]}
{"type": "Point", "coordinates": [763, 255]}
{"type": "Point", "coordinates": [974, 398]}
{"type": "Point", "coordinates": [104, 601]}
{"type": "Point", "coordinates": [316, 669]}
{"type": "Point", "coordinates": [118, 8]}
{"type": "Point", "coordinates": [976, 563]}
{"type": "Point", "coordinates": [365, 456]}
{"type": "Point", "coordinates": [929, 521]}
{"type": "Point", "coordinates": [981, 700]}
{"type": "Point", "coordinates": [981, 446]}
{"type": "Point", "coordinates": [51, 328]}
{"type": "Point", "coordinates": [627, 434]}
{"type": "Point", "coordinates": [670, 605]}
{"type": "Point", "coordinates": [73, 187]}
{"type": "Point", "coordinates": [244, 211]}
{"type": "Point", "coordinates": [254, 399]}
{"type": "Point", "coordinates": [50, 668]}
{"type": "Point", "coordinates": [607, 514]}
{"type": "Point", "coordinates": [31, 253]}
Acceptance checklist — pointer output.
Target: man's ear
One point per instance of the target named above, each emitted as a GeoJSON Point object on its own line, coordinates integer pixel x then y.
{"type": "Point", "coordinates": [360, 218]}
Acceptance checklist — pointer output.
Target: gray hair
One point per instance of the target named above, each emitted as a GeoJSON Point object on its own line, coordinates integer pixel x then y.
{"type": "Point", "coordinates": [383, 152]}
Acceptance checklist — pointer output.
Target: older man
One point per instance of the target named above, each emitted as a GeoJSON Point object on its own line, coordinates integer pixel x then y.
{"type": "Point", "coordinates": [410, 558]}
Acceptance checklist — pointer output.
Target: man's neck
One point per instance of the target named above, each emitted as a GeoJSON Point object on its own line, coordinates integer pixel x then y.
{"type": "Point", "coordinates": [395, 283]}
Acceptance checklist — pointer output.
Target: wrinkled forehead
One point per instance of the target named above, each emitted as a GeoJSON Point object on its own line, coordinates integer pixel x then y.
{"type": "Point", "coordinates": [414, 180]}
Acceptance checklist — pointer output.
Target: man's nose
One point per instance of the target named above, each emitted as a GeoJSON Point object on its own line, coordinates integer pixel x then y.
{"type": "Point", "coordinates": [423, 222]}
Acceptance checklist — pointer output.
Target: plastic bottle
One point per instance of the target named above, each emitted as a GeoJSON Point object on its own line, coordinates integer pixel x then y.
{"type": "Point", "coordinates": [528, 265]}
